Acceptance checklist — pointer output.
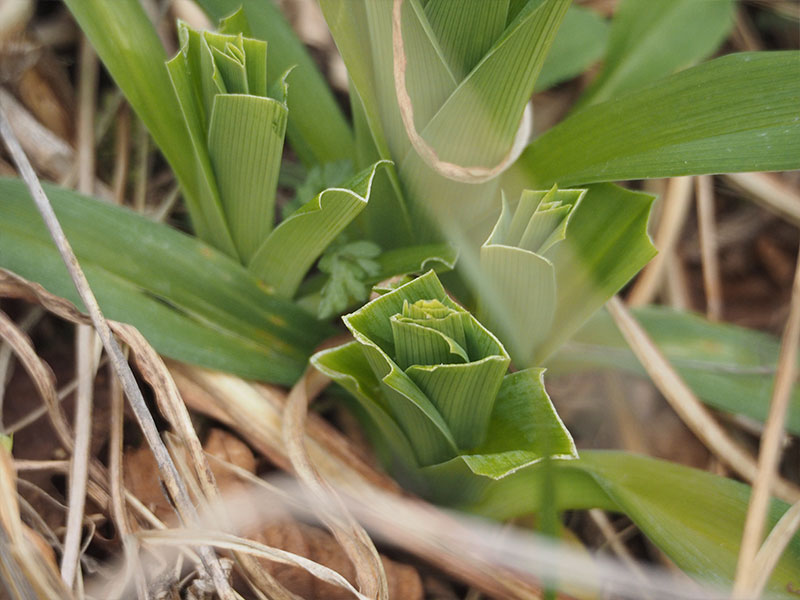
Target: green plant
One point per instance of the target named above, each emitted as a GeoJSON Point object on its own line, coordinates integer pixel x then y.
{"type": "Point", "coordinates": [435, 383]}
{"type": "Point", "coordinates": [439, 104]}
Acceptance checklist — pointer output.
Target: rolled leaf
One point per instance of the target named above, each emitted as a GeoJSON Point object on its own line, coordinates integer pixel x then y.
{"type": "Point", "coordinates": [317, 128]}
{"type": "Point", "coordinates": [236, 130]}
{"type": "Point", "coordinates": [551, 264]}
{"type": "Point", "coordinates": [518, 294]}
{"type": "Point", "coordinates": [469, 78]}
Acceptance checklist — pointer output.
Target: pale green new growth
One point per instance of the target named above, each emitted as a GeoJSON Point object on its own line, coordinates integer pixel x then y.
{"type": "Point", "coordinates": [236, 130]}
{"type": "Point", "coordinates": [551, 264]}
{"type": "Point", "coordinates": [519, 299]}
{"type": "Point", "coordinates": [435, 381]}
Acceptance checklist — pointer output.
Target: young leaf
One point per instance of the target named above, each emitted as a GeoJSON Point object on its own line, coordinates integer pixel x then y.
{"type": "Point", "coordinates": [736, 113]}
{"type": "Point", "coordinates": [518, 292]}
{"type": "Point", "coordinates": [245, 141]}
{"type": "Point", "coordinates": [237, 134]}
{"type": "Point", "coordinates": [524, 429]}
{"type": "Point", "coordinates": [472, 122]}
{"type": "Point", "coordinates": [190, 301]}
{"type": "Point", "coordinates": [434, 373]}
{"type": "Point", "coordinates": [537, 296]}
{"type": "Point", "coordinates": [478, 122]}
{"type": "Point", "coordinates": [317, 128]}
{"type": "Point", "coordinates": [349, 266]}
{"type": "Point", "coordinates": [288, 253]}
{"type": "Point", "coordinates": [130, 49]}
{"type": "Point", "coordinates": [397, 264]}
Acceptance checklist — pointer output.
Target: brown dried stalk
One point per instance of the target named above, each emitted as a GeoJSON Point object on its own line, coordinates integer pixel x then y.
{"type": "Point", "coordinates": [171, 479]}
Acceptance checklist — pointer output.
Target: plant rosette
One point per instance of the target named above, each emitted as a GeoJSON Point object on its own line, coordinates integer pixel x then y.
{"type": "Point", "coordinates": [444, 413]}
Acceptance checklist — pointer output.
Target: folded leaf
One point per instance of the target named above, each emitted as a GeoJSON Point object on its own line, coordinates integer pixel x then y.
{"type": "Point", "coordinates": [245, 142]}
{"type": "Point", "coordinates": [284, 258]}
{"type": "Point", "coordinates": [478, 122]}
{"type": "Point", "coordinates": [524, 429]}
{"type": "Point", "coordinates": [236, 131]}
{"type": "Point", "coordinates": [518, 292]}
{"type": "Point", "coordinates": [317, 128]}
{"type": "Point", "coordinates": [549, 266]}
{"type": "Point", "coordinates": [429, 369]}
{"type": "Point", "coordinates": [467, 95]}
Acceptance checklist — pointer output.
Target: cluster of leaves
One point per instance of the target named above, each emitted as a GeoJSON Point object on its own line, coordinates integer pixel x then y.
{"type": "Point", "coordinates": [439, 94]}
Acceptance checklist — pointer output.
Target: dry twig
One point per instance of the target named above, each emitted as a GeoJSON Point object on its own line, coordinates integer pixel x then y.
{"type": "Point", "coordinates": [676, 207]}
{"type": "Point", "coordinates": [770, 192]}
{"type": "Point", "coordinates": [707, 230]}
{"type": "Point", "coordinates": [85, 336]}
{"type": "Point", "coordinates": [686, 405]}
{"type": "Point", "coordinates": [350, 535]}
{"type": "Point", "coordinates": [769, 454]}
{"type": "Point", "coordinates": [121, 367]}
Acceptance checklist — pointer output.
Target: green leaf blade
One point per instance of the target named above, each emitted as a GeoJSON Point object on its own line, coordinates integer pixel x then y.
{"type": "Point", "coordinates": [696, 517]}
{"type": "Point", "coordinates": [640, 32]}
{"type": "Point", "coordinates": [579, 42]}
{"type": "Point", "coordinates": [728, 367]}
{"type": "Point", "coordinates": [179, 291]}
{"type": "Point", "coordinates": [736, 113]}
